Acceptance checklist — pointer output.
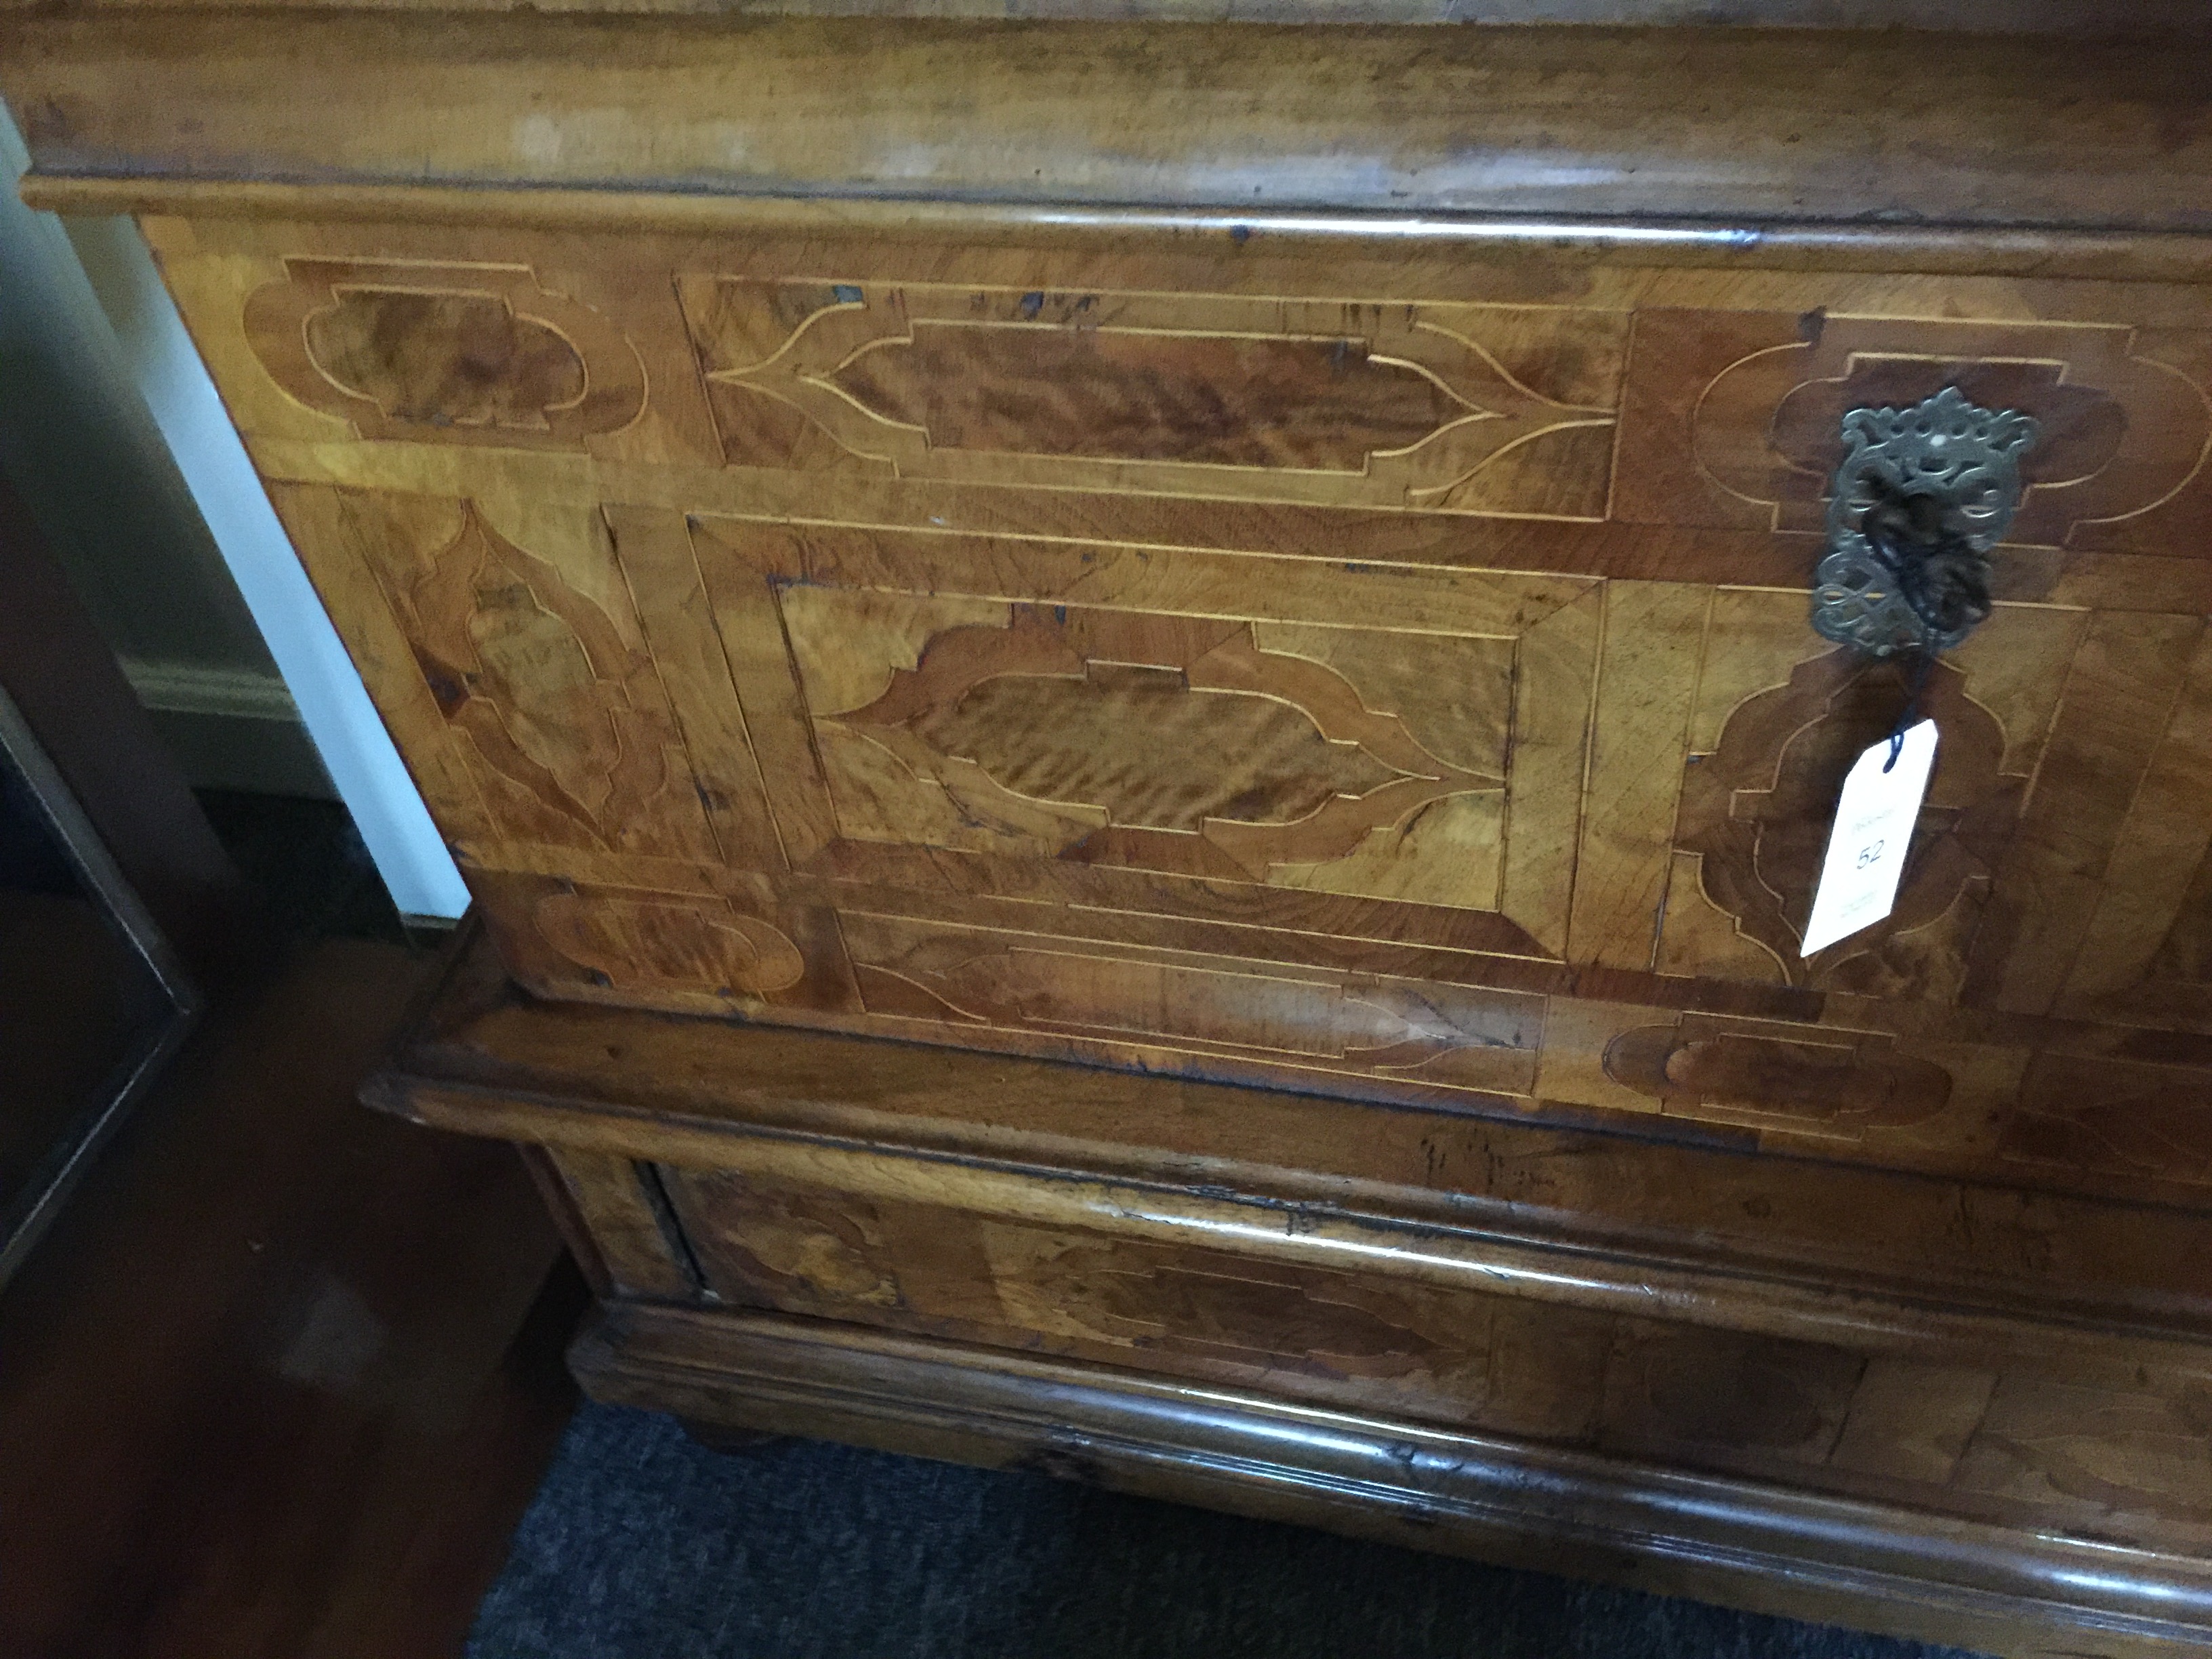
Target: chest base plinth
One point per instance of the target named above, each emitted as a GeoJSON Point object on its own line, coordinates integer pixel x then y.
{"type": "Point", "coordinates": [1772, 1383]}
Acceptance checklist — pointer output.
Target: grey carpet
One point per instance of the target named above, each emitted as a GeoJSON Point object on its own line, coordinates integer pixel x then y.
{"type": "Point", "coordinates": [641, 1545]}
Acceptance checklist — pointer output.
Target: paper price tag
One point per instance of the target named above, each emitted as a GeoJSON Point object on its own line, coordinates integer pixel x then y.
{"type": "Point", "coordinates": [1871, 834]}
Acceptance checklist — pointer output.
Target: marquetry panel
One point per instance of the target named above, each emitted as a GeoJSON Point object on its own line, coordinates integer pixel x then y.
{"type": "Point", "coordinates": [1731, 417]}
{"type": "Point", "coordinates": [1754, 820]}
{"type": "Point", "coordinates": [702, 949]}
{"type": "Point", "coordinates": [2044, 1441]}
{"type": "Point", "coordinates": [1134, 1003]}
{"type": "Point", "coordinates": [1374, 829]}
{"type": "Point", "coordinates": [1052, 719]}
{"type": "Point", "coordinates": [1988, 1441]}
{"type": "Point", "coordinates": [1177, 745]}
{"type": "Point", "coordinates": [1819, 1079]}
{"type": "Point", "coordinates": [2154, 1122]}
{"type": "Point", "coordinates": [406, 345]}
{"type": "Point", "coordinates": [1153, 662]}
{"type": "Point", "coordinates": [446, 354]}
{"type": "Point", "coordinates": [1453, 408]}
{"type": "Point", "coordinates": [514, 667]}
{"type": "Point", "coordinates": [1760, 723]}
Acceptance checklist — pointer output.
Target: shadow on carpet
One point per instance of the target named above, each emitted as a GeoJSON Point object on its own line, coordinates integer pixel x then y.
{"type": "Point", "coordinates": [642, 1545]}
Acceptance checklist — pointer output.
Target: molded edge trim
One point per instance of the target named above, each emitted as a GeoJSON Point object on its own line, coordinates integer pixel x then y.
{"type": "Point", "coordinates": [1923, 249]}
{"type": "Point", "coordinates": [1742, 1541]}
{"type": "Point", "coordinates": [1327, 1235]}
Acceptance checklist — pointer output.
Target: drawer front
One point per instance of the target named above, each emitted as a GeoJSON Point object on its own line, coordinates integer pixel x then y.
{"type": "Point", "coordinates": [2005, 1442]}
{"type": "Point", "coordinates": [1159, 660]}
{"type": "Point", "coordinates": [1491, 409]}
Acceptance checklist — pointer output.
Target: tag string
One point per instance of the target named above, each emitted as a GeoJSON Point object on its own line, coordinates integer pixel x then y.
{"type": "Point", "coordinates": [1918, 683]}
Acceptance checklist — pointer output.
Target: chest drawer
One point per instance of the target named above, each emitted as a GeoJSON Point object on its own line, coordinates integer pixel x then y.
{"type": "Point", "coordinates": [1155, 659]}
{"type": "Point", "coordinates": [2000, 1439]}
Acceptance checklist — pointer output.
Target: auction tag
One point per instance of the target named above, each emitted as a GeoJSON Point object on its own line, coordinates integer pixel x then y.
{"type": "Point", "coordinates": [1871, 833]}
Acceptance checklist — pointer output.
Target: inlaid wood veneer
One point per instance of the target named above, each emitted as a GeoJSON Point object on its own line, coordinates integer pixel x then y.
{"type": "Point", "coordinates": [1132, 712]}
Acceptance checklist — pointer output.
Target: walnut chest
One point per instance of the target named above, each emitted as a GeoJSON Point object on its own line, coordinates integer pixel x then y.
{"type": "Point", "coordinates": [1244, 596]}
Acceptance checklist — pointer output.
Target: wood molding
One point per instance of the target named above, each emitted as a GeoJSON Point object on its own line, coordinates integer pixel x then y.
{"type": "Point", "coordinates": [974, 1130]}
{"type": "Point", "coordinates": [1310, 1234]}
{"type": "Point", "coordinates": [2175, 19]}
{"type": "Point", "coordinates": [1775, 245]}
{"type": "Point", "coordinates": [1735, 1541]}
{"type": "Point", "coordinates": [1521, 121]}
{"type": "Point", "coordinates": [1126, 1278]}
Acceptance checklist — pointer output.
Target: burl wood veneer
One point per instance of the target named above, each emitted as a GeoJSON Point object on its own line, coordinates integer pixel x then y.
{"type": "Point", "coordinates": [1100, 554]}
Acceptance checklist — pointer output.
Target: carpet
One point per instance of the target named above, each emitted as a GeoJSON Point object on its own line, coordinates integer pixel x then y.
{"type": "Point", "coordinates": [642, 1545]}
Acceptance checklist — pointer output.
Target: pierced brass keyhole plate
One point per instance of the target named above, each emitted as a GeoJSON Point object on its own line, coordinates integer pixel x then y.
{"type": "Point", "coordinates": [1922, 497]}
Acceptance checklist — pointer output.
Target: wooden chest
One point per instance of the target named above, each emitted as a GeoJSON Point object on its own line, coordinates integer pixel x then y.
{"type": "Point", "coordinates": [1135, 561]}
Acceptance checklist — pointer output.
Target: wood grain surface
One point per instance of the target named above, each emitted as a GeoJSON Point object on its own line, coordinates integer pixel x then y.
{"type": "Point", "coordinates": [281, 1381]}
{"type": "Point", "coordinates": [1272, 563]}
{"type": "Point", "coordinates": [1409, 697]}
{"type": "Point", "coordinates": [2179, 21]}
{"type": "Point", "coordinates": [1790, 125]}
{"type": "Point", "coordinates": [1917, 1405]}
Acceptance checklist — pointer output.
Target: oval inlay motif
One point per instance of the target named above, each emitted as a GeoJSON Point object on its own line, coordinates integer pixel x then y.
{"type": "Point", "coordinates": [1816, 1078]}
{"type": "Point", "coordinates": [1157, 742]}
{"type": "Point", "coordinates": [1223, 399]}
{"type": "Point", "coordinates": [1756, 811]}
{"type": "Point", "coordinates": [2120, 433]}
{"type": "Point", "coordinates": [1149, 748]}
{"type": "Point", "coordinates": [2079, 428]}
{"type": "Point", "coordinates": [451, 354]}
{"type": "Point", "coordinates": [1459, 408]}
{"type": "Point", "coordinates": [444, 359]}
